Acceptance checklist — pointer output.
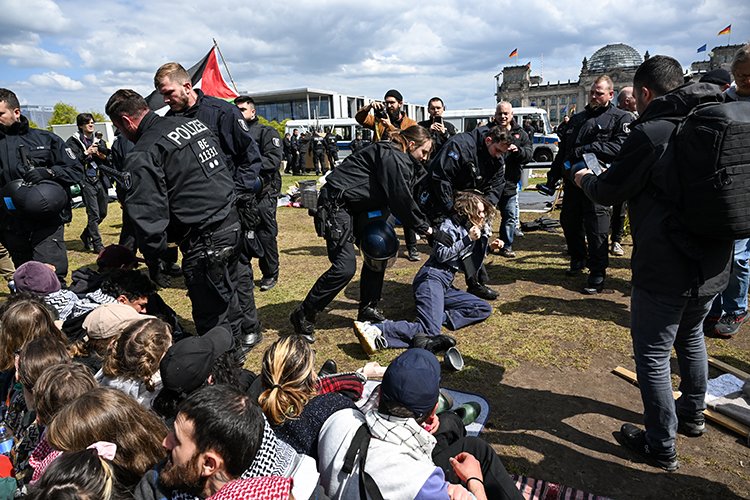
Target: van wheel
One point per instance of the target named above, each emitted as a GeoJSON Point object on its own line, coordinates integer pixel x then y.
{"type": "Point", "coordinates": [542, 155]}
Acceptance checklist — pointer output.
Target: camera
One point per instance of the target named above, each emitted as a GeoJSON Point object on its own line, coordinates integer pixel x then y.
{"type": "Point", "coordinates": [101, 146]}
{"type": "Point", "coordinates": [381, 112]}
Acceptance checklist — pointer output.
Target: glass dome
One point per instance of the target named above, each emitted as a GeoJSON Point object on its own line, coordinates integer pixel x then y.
{"type": "Point", "coordinates": [616, 55]}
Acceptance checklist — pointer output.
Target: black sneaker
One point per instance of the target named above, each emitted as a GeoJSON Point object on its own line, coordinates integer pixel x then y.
{"type": "Point", "coordinates": [371, 314]}
{"type": "Point", "coordinates": [435, 344]}
{"type": "Point", "coordinates": [483, 291]}
{"type": "Point", "coordinates": [691, 427]}
{"type": "Point", "coordinates": [267, 283]}
{"type": "Point", "coordinates": [634, 438]}
{"type": "Point", "coordinates": [302, 325]}
{"type": "Point", "coordinates": [730, 324]}
{"type": "Point", "coordinates": [413, 254]}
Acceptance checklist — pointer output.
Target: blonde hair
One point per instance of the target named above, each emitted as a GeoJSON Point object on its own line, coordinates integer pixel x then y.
{"type": "Point", "coordinates": [173, 71]}
{"type": "Point", "coordinates": [138, 351]}
{"type": "Point", "coordinates": [467, 203]}
{"type": "Point", "coordinates": [288, 376]}
{"type": "Point", "coordinates": [22, 322]}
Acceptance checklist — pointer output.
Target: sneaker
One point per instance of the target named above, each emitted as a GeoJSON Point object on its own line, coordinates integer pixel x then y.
{"type": "Point", "coordinates": [370, 337]}
{"type": "Point", "coordinates": [730, 324]}
{"type": "Point", "coordinates": [267, 283]}
{"type": "Point", "coordinates": [302, 325]}
{"type": "Point", "coordinates": [634, 438]}
{"type": "Point", "coordinates": [710, 323]}
{"type": "Point", "coordinates": [413, 254]}
{"type": "Point", "coordinates": [545, 189]}
{"type": "Point", "coordinates": [435, 343]}
{"type": "Point", "coordinates": [371, 314]}
{"type": "Point", "coordinates": [507, 253]}
{"type": "Point", "coordinates": [691, 427]}
{"type": "Point", "coordinates": [483, 291]}
{"type": "Point", "coordinates": [616, 249]}
{"type": "Point", "coordinates": [519, 233]}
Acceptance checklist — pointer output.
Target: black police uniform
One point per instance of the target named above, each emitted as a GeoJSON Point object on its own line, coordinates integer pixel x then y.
{"type": "Point", "coordinates": [183, 191]}
{"type": "Point", "coordinates": [287, 143]}
{"type": "Point", "coordinates": [120, 149]}
{"type": "Point", "coordinates": [332, 149]}
{"type": "Point", "coordinates": [244, 160]}
{"type": "Point", "coordinates": [377, 179]}
{"type": "Point", "coordinates": [267, 139]}
{"type": "Point", "coordinates": [318, 149]}
{"type": "Point", "coordinates": [93, 190]}
{"type": "Point", "coordinates": [28, 239]}
{"type": "Point", "coordinates": [295, 164]}
{"type": "Point", "coordinates": [600, 131]}
{"type": "Point", "coordinates": [438, 139]}
{"type": "Point", "coordinates": [304, 147]}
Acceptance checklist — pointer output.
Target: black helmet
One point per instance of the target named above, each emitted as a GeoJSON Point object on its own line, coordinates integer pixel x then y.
{"type": "Point", "coordinates": [36, 201]}
{"type": "Point", "coordinates": [379, 245]}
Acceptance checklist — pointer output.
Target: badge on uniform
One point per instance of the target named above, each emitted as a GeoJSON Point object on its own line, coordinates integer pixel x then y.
{"type": "Point", "coordinates": [453, 154]}
{"type": "Point", "coordinates": [626, 128]}
{"type": "Point", "coordinates": [70, 153]}
{"type": "Point", "coordinates": [277, 142]}
{"type": "Point", "coordinates": [243, 124]}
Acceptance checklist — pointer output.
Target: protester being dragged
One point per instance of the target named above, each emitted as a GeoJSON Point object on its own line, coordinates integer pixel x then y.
{"type": "Point", "coordinates": [111, 258]}
{"type": "Point", "coordinates": [41, 280]}
{"type": "Point", "coordinates": [437, 301]}
{"type": "Point", "coordinates": [359, 193]}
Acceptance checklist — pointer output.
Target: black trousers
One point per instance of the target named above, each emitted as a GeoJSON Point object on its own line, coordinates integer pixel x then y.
{"type": "Point", "coordinates": [619, 212]}
{"type": "Point", "coordinates": [267, 232]}
{"type": "Point", "coordinates": [333, 157]}
{"type": "Point", "coordinates": [96, 201]}
{"type": "Point", "coordinates": [294, 164]}
{"type": "Point", "coordinates": [452, 440]}
{"type": "Point", "coordinates": [319, 161]}
{"type": "Point", "coordinates": [586, 228]}
{"type": "Point", "coordinates": [26, 240]}
{"type": "Point", "coordinates": [343, 258]}
{"type": "Point", "coordinates": [210, 263]}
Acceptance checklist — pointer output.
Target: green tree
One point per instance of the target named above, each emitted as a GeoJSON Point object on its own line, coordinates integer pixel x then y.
{"type": "Point", "coordinates": [32, 124]}
{"type": "Point", "coordinates": [280, 127]}
{"type": "Point", "coordinates": [62, 114]}
{"type": "Point", "coordinates": [98, 117]}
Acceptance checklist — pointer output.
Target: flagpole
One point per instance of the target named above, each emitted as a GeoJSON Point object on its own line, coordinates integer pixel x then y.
{"type": "Point", "coordinates": [216, 44]}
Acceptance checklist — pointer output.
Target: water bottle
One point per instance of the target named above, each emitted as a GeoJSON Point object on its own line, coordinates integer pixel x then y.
{"type": "Point", "coordinates": [6, 439]}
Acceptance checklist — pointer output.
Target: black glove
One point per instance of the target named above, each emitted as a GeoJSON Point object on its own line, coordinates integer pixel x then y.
{"type": "Point", "coordinates": [156, 271]}
{"type": "Point", "coordinates": [440, 237]}
{"type": "Point", "coordinates": [37, 175]}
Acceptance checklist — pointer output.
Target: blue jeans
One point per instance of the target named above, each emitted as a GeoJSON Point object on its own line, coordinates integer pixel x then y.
{"type": "Point", "coordinates": [659, 322]}
{"type": "Point", "coordinates": [733, 300]}
{"type": "Point", "coordinates": [438, 303]}
{"type": "Point", "coordinates": [508, 218]}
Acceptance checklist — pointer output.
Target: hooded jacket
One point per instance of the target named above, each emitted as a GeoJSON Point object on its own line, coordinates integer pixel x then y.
{"type": "Point", "coordinates": [666, 258]}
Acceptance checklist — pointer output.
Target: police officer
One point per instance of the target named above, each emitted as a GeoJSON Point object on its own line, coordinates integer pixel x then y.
{"type": "Point", "coordinates": [363, 188]}
{"type": "Point", "coordinates": [294, 144]}
{"type": "Point", "coordinates": [241, 154]}
{"type": "Point", "coordinates": [119, 151]}
{"type": "Point", "coordinates": [469, 161]}
{"type": "Point", "coordinates": [48, 170]}
{"type": "Point", "coordinates": [332, 147]}
{"type": "Point", "coordinates": [94, 186]}
{"type": "Point", "coordinates": [287, 144]}
{"type": "Point", "coordinates": [318, 151]}
{"type": "Point", "coordinates": [183, 191]}
{"type": "Point", "coordinates": [304, 148]}
{"type": "Point", "coordinates": [267, 139]}
{"type": "Point", "coordinates": [358, 143]}
{"type": "Point", "coordinates": [600, 129]}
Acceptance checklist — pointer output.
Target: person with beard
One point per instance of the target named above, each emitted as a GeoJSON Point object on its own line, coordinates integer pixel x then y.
{"type": "Point", "coordinates": [220, 442]}
{"type": "Point", "coordinates": [34, 156]}
{"type": "Point", "coordinates": [368, 185]}
{"type": "Point", "coordinates": [600, 129]}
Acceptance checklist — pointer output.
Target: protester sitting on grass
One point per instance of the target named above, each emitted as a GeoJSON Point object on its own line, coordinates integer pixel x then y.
{"type": "Point", "coordinates": [108, 415]}
{"type": "Point", "coordinates": [41, 280]}
{"type": "Point", "coordinates": [437, 301]}
{"type": "Point", "coordinates": [111, 258]}
{"type": "Point", "coordinates": [132, 362]}
{"type": "Point", "coordinates": [290, 400]}
{"type": "Point", "coordinates": [57, 386]}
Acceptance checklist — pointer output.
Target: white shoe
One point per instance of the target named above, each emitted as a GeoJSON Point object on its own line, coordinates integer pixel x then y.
{"type": "Point", "coordinates": [370, 337]}
{"type": "Point", "coordinates": [617, 249]}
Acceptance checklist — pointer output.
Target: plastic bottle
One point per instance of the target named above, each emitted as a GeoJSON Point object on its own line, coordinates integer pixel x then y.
{"type": "Point", "coordinates": [6, 439]}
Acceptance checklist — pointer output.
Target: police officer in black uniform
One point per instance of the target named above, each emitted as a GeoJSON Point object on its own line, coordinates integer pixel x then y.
{"type": "Point", "coordinates": [332, 147]}
{"type": "Point", "coordinates": [183, 191]}
{"type": "Point", "coordinates": [294, 144]}
{"type": "Point", "coordinates": [267, 139]}
{"type": "Point", "coordinates": [364, 187]}
{"type": "Point", "coordinates": [469, 161]}
{"type": "Point", "coordinates": [119, 151]}
{"type": "Point", "coordinates": [600, 129]}
{"type": "Point", "coordinates": [318, 150]}
{"type": "Point", "coordinates": [47, 169]}
{"type": "Point", "coordinates": [244, 160]}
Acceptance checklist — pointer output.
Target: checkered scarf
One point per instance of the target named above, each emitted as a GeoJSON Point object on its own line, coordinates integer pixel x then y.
{"type": "Point", "coordinates": [260, 488]}
{"type": "Point", "coordinates": [350, 384]}
{"type": "Point", "coordinates": [405, 432]}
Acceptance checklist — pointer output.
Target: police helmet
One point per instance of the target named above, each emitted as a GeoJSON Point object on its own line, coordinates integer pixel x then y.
{"type": "Point", "coordinates": [39, 201]}
{"type": "Point", "coordinates": [9, 193]}
{"type": "Point", "coordinates": [378, 245]}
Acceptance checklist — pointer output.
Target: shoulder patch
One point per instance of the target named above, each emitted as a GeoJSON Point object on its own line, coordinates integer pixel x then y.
{"type": "Point", "coordinates": [276, 142]}
{"type": "Point", "coordinates": [626, 128]}
{"type": "Point", "coordinates": [70, 153]}
{"type": "Point", "coordinates": [453, 154]}
{"type": "Point", "coordinates": [243, 124]}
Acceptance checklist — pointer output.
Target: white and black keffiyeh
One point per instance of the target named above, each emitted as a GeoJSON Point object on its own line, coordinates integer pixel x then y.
{"type": "Point", "coordinates": [402, 432]}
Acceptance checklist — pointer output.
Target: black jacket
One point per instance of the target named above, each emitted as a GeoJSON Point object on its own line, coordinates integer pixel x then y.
{"type": "Point", "coordinates": [666, 259]}
{"type": "Point", "coordinates": [181, 182]}
{"type": "Point", "coordinates": [438, 140]}
{"type": "Point", "coordinates": [331, 142]}
{"type": "Point", "coordinates": [120, 149]}
{"type": "Point", "coordinates": [514, 161]}
{"type": "Point", "coordinates": [229, 126]}
{"type": "Point", "coordinates": [44, 149]}
{"type": "Point", "coordinates": [318, 143]}
{"type": "Point", "coordinates": [464, 163]}
{"type": "Point", "coordinates": [600, 131]}
{"type": "Point", "coordinates": [378, 176]}
{"type": "Point", "coordinates": [271, 152]}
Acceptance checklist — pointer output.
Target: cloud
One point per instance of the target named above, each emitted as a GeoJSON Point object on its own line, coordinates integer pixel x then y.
{"type": "Point", "coordinates": [36, 16]}
{"type": "Point", "coordinates": [55, 81]}
{"type": "Point", "coordinates": [30, 56]}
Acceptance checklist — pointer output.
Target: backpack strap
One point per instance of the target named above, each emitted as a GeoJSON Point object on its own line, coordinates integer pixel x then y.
{"type": "Point", "coordinates": [359, 446]}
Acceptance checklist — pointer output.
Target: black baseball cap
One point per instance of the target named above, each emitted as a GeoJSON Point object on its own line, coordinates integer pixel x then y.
{"type": "Point", "coordinates": [188, 363]}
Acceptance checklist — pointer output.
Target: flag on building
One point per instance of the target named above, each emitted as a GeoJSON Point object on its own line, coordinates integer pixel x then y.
{"type": "Point", "coordinates": [726, 31]}
{"type": "Point", "coordinates": [702, 48]}
{"type": "Point", "coordinates": [514, 53]}
{"type": "Point", "coordinates": [205, 75]}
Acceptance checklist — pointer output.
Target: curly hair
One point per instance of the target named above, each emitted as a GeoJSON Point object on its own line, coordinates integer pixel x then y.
{"type": "Point", "coordinates": [138, 351]}
{"type": "Point", "coordinates": [466, 204]}
{"type": "Point", "coordinates": [23, 321]}
{"type": "Point", "coordinates": [288, 376]}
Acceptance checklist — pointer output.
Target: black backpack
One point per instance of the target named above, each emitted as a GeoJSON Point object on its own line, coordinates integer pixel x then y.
{"type": "Point", "coordinates": [712, 153]}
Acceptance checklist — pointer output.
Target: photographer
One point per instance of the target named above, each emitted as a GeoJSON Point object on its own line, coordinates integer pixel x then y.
{"type": "Point", "coordinates": [387, 116]}
{"type": "Point", "coordinates": [87, 150]}
{"type": "Point", "coordinates": [34, 231]}
{"type": "Point", "coordinates": [440, 130]}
